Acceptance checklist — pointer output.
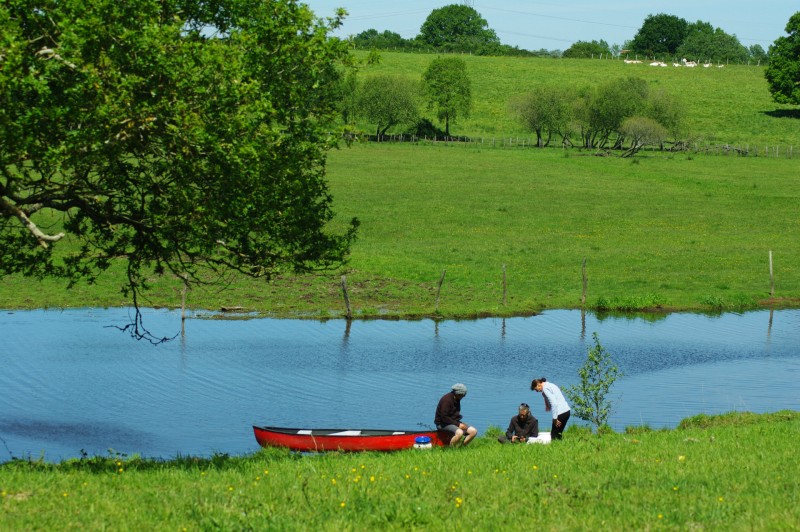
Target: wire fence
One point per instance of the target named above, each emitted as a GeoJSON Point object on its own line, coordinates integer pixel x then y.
{"type": "Point", "coordinates": [518, 142]}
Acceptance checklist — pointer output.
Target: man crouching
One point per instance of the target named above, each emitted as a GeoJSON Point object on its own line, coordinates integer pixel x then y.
{"type": "Point", "coordinates": [521, 427]}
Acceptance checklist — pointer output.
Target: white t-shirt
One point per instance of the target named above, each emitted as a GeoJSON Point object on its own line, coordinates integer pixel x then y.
{"type": "Point", "coordinates": [558, 403]}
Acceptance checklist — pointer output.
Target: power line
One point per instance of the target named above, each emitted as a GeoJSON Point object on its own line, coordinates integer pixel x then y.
{"type": "Point", "coordinates": [558, 18]}
{"type": "Point", "coordinates": [505, 32]}
{"type": "Point", "coordinates": [387, 15]}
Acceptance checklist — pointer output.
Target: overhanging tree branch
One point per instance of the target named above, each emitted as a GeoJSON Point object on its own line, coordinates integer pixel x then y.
{"type": "Point", "coordinates": [10, 210]}
{"type": "Point", "coordinates": [153, 148]}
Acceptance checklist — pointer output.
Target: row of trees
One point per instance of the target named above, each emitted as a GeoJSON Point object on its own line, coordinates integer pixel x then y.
{"type": "Point", "coordinates": [619, 114]}
{"type": "Point", "coordinates": [622, 113]}
{"type": "Point", "coordinates": [452, 28]}
{"type": "Point", "coordinates": [460, 28]}
{"type": "Point", "coordinates": [667, 35]}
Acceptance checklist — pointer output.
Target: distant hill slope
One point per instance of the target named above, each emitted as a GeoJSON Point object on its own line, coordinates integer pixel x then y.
{"type": "Point", "coordinates": [724, 105]}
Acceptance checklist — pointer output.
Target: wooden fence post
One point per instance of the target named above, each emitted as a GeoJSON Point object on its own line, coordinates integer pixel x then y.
{"type": "Point", "coordinates": [504, 285]}
{"type": "Point", "coordinates": [346, 297]}
{"type": "Point", "coordinates": [771, 277]}
{"type": "Point", "coordinates": [583, 274]}
{"type": "Point", "coordinates": [439, 290]}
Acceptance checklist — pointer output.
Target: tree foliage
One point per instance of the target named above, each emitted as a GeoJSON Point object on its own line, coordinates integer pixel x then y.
{"type": "Point", "coordinates": [666, 110]}
{"type": "Point", "coordinates": [589, 398]}
{"type": "Point", "coordinates": [783, 69]}
{"type": "Point", "coordinates": [126, 129]}
{"type": "Point", "coordinates": [347, 98]}
{"type": "Point", "coordinates": [642, 131]}
{"type": "Point", "coordinates": [597, 114]}
{"type": "Point", "coordinates": [757, 53]}
{"type": "Point", "coordinates": [546, 111]}
{"type": "Point", "coordinates": [660, 34]}
{"type": "Point", "coordinates": [705, 43]}
{"type": "Point", "coordinates": [584, 49]}
{"type": "Point", "coordinates": [608, 106]}
{"type": "Point", "coordinates": [388, 100]}
{"type": "Point", "coordinates": [460, 28]}
{"type": "Point", "coordinates": [371, 38]}
{"type": "Point", "coordinates": [448, 89]}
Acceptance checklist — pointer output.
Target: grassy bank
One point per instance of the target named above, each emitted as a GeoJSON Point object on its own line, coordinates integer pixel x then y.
{"type": "Point", "coordinates": [736, 471]}
{"type": "Point", "coordinates": [660, 231]}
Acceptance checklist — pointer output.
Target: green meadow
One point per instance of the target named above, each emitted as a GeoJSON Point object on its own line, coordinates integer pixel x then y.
{"type": "Point", "coordinates": [728, 105]}
{"type": "Point", "coordinates": [508, 228]}
{"type": "Point", "coordinates": [730, 472]}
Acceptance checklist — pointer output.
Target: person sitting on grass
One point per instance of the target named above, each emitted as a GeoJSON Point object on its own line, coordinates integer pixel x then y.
{"type": "Point", "coordinates": [522, 426]}
{"type": "Point", "coordinates": [448, 416]}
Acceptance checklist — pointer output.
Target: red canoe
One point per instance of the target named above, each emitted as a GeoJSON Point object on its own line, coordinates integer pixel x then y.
{"type": "Point", "coordinates": [345, 439]}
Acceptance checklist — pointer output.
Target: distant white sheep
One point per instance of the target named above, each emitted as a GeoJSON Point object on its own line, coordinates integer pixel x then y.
{"type": "Point", "coordinates": [684, 62]}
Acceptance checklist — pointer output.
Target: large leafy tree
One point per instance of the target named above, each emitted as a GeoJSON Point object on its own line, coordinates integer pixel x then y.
{"type": "Point", "coordinates": [545, 111]}
{"type": "Point", "coordinates": [129, 134]}
{"type": "Point", "coordinates": [783, 69]}
{"type": "Point", "coordinates": [448, 89]}
{"type": "Point", "coordinates": [609, 105]}
{"type": "Point", "coordinates": [660, 34]}
{"type": "Point", "coordinates": [459, 27]}
{"type": "Point", "coordinates": [705, 43]}
{"type": "Point", "coordinates": [387, 100]}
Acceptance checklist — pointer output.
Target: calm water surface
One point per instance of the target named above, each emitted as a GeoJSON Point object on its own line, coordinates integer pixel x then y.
{"type": "Point", "coordinates": [69, 382]}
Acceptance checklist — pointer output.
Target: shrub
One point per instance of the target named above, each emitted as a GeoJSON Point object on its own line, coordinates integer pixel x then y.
{"type": "Point", "coordinates": [597, 375]}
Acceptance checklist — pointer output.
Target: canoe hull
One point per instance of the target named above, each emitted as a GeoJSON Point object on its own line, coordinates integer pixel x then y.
{"type": "Point", "coordinates": [347, 440]}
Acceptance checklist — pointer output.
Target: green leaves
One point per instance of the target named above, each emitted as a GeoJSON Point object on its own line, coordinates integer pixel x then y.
{"type": "Point", "coordinates": [156, 144]}
{"type": "Point", "coordinates": [447, 86]}
{"type": "Point", "coordinates": [458, 27]}
{"type": "Point", "coordinates": [597, 375]}
{"type": "Point", "coordinates": [783, 70]}
{"type": "Point", "coordinates": [660, 34]}
{"type": "Point", "coordinates": [388, 100]}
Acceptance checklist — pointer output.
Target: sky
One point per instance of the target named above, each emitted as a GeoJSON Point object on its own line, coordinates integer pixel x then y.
{"type": "Point", "coordinates": [556, 25]}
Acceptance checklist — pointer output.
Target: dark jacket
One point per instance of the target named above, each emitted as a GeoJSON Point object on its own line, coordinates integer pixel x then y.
{"type": "Point", "coordinates": [527, 428]}
{"type": "Point", "coordinates": [448, 411]}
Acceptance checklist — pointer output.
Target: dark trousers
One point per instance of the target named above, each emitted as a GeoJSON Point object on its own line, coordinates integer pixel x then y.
{"type": "Point", "coordinates": [555, 432]}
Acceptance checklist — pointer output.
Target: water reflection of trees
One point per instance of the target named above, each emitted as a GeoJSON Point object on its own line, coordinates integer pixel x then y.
{"type": "Point", "coordinates": [650, 317]}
